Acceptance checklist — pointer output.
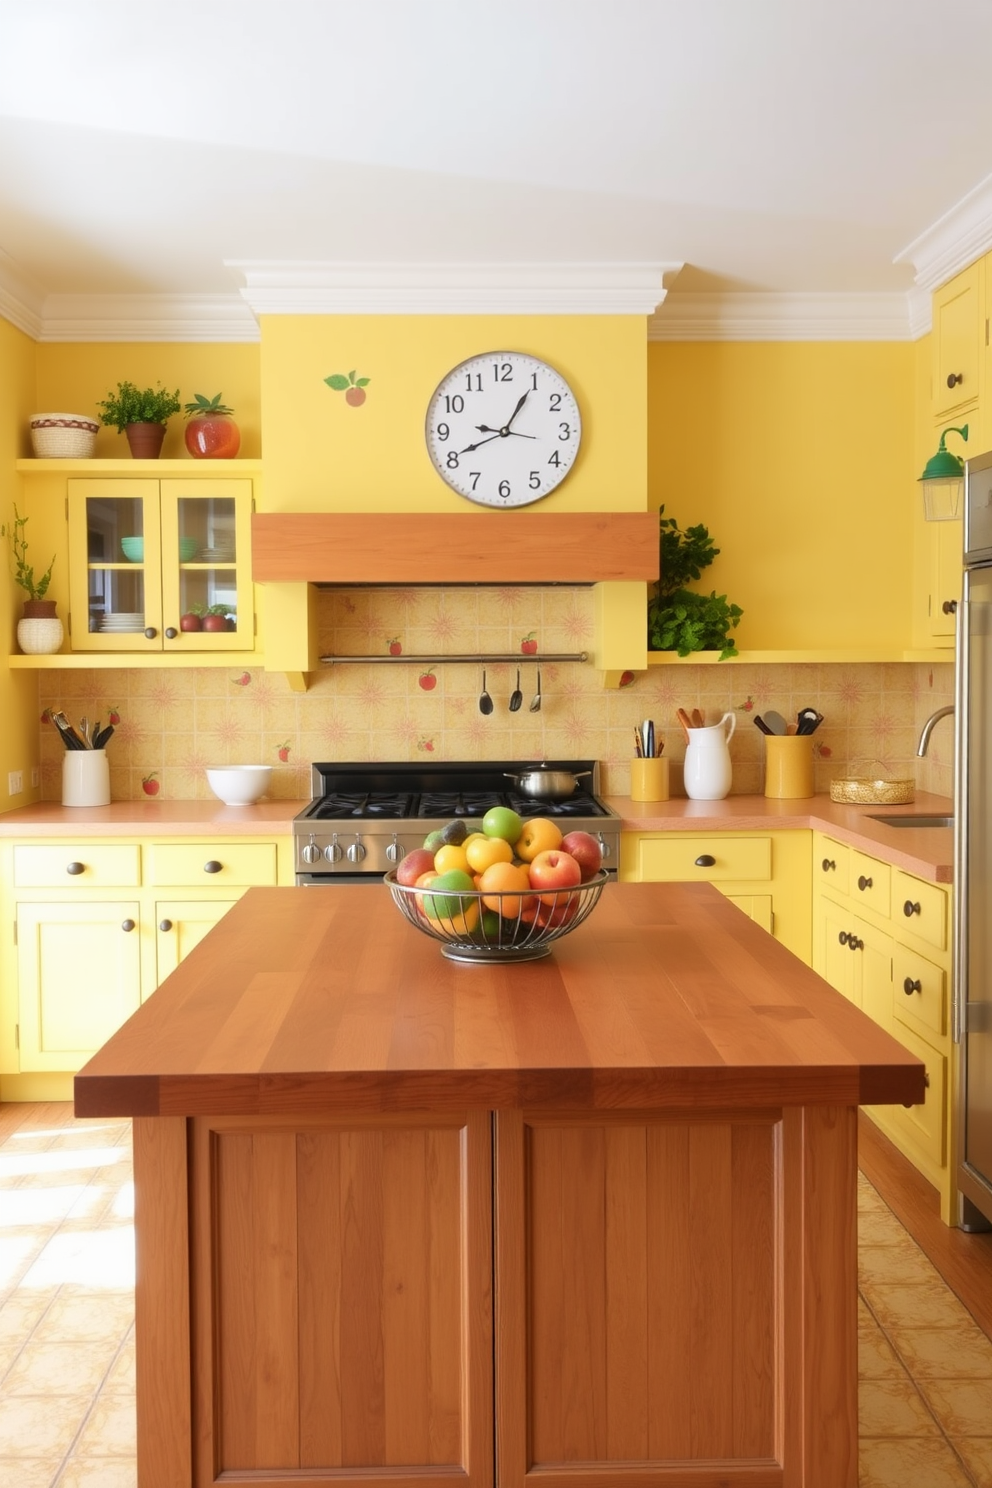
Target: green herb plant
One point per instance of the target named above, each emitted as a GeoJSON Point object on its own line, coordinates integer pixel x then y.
{"type": "Point", "coordinates": [23, 571]}
{"type": "Point", "coordinates": [133, 405]}
{"type": "Point", "coordinates": [681, 619]}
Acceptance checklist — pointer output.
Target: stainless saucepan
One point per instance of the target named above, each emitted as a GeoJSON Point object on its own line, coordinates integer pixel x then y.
{"type": "Point", "coordinates": [544, 784]}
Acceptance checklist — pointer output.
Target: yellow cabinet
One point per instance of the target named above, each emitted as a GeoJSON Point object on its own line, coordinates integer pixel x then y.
{"type": "Point", "coordinates": [945, 541]}
{"type": "Point", "coordinates": [959, 343]}
{"type": "Point", "coordinates": [180, 924]}
{"type": "Point", "coordinates": [766, 874]}
{"type": "Point", "coordinates": [160, 565]}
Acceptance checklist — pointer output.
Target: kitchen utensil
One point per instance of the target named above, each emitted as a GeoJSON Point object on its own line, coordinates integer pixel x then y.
{"type": "Point", "coordinates": [103, 738]}
{"type": "Point", "coordinates": [760, 723]}
{"type": "Point", "coordinates": [465, 935]}
{"type": "Point", "coordinates": [546, 784]}
{"type": "Point", "coordinates": [638, 744]}
{"type": "Point", "coordinates": [516, 696]}
{"type": "Point", "coordinates": [707, 771]}
{"type": "Point", "coordinates": [775, 722]}
{"type": "Point", "coordinates": [65, 728]}
{"type": "Point", "coordinates": [84, 729]}
{"type": "Point", "coordinates": [698, 721]}
{"type": "Point", "coordinates": [808, 720]}
{"type": "Point", "coordinates": [649, 740]}
{"type": "Point", "coordinates": [485, 701]}
{"type": "Point", "coordinates": [535, 702]}
{"type": "Point", "coordinates": [685, 721]}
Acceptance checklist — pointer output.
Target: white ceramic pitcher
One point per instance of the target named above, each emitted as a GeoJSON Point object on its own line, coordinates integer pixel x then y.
{"type": "Point", "coordinates": [707, 772]}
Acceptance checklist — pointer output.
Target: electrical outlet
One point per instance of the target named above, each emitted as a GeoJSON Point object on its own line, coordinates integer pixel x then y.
{"type": "Point", "coordinates": [15, 782]}
{"type": "Point", "coordinates": [35, 777]}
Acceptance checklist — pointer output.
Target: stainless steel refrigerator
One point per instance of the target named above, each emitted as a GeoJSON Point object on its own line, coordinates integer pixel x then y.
{"type": "Point", "coordinates": [972, 1006]}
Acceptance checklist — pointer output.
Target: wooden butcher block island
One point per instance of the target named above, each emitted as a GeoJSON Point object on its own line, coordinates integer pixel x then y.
{"type": "Point", "coordinates": [587, 1221]}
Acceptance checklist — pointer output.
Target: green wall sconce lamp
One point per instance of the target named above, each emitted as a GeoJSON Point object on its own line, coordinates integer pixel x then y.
{"type": "Point", "coordinates": [943, 481]}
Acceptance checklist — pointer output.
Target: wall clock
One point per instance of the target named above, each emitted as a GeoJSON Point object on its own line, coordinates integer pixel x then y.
{"type": "Point", "coordinates": [503, 429]}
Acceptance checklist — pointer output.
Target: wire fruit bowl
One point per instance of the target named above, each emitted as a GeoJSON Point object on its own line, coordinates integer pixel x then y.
{"type": "Point", "coordinates": [474, 931]}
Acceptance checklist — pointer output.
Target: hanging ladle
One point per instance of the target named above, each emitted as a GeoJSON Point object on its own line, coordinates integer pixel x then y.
{"type": "Point", "coordinates": [535, 702]}
{"type": "Point", "coordinates": [485, 701]}
{"type": "Point", "coordinates": [516, 696]}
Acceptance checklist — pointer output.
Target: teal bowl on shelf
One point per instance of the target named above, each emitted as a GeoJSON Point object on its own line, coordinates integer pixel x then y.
{"type": "Point", "coordinates": [187, 549]}
{"type": "Point", "coordinates": [133, 549]}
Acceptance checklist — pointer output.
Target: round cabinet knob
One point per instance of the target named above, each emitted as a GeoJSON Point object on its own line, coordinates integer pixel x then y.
{"type": "Point", "coordinates": [950, 607]}
{"type": "Point", "coordinates": [828, 865]}
{"type": "Point", "coordinates": [150, 633]}
{"type": "Point", "coordinates": [953, 378]}
{"type": "Point", "coordinates": [864, 883]}
{"type": "Point", "coordinates": [127, 925]}
{"type": "Point", "coordinates": [212, 866]}
{"type": "Point", "coordinates": [165, 924]}
{"type": "Point", "coordinates": [909, 986]}
{"type": "Point", "coordinates": [171, 632]}
{"type": "Point", "coordinates": [853, 943]}
{"type": "Point", "coordinates": [705, 860]}
{"type": "Point", "coordinates": [909, 909]}
{"type": "Point", "coordinates": [74, 869]}
{"type": "Point", "coordinates": [843, 937]}
{"type": "Point", "coordinates": [356, 852]}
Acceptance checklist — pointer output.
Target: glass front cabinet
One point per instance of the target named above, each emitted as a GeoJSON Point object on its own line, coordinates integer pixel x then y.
{"type": "Point", "coordinates": [160, 565]}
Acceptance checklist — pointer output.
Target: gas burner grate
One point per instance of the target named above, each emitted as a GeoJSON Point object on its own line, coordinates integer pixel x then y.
{"type": "Point", "coordinates": [458, 803]}
{"type": "Point", "coordinates": [577, 805]}
{"type": "Point", "coordinates": [365, 805]}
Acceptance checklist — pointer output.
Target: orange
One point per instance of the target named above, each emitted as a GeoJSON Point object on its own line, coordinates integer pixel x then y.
{"type": "Point", "coordinates": [497, 885]}
{"type": "Point", "coordinates": [448, 857]}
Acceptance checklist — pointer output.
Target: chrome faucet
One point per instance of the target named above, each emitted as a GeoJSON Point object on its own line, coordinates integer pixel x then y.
{"type": "Point", "coordinates": [928, 729]}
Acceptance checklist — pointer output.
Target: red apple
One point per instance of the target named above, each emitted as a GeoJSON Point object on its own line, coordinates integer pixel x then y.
{"type": "Point", "coordinates": [283, 752]}
{"type": "Point", "coordinates": [395, 649]}
{"type": "Point", "coordinates": [213, 437]}
{"type": "Point", "coordinates": [190, 622]}
{"type": "Point", "coordinates": [355, 396]}
{"type": "Point", "coordinates": [150, 785]}
{"type": "Point", "coordinates": [554, 869]}
{"type": "Point", "coordinates": [585, 850]}
{"type": "Point", "coordinates": [115, 716]}
{"type": "Point", "coordinates": [560, 911]}
{"type": "Point", "coordinates": [626, 678]}
{"type": "Point", "coordinates": [409, 869]}
{"type": "Point", "coordinates": [428, 681]}
{"type": "Point", "coordinates": [529, 644]}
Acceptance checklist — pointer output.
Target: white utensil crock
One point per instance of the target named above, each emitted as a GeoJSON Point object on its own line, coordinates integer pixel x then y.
{"type": "Point", "coordinates": [707, 772]}
{"type": "Point", "coordinates": [85, 778]}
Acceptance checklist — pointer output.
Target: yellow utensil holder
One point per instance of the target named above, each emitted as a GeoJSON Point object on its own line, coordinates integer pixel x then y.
{"type": "Point", "coordinates": [649, 780]}
{"type": "Point", "coordinates": [788, 766]}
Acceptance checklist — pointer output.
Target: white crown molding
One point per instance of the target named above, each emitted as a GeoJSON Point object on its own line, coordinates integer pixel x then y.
{"type": "Point", "coordinates": [152, 317]}
{"type": "Point", "coordinates": [782, 317]}
{"type": "Point", "coordinates": [21, 300]}
{"type": "Point", "coordinates": [314, 288]}
{"type": "Point", "coordinates": [954, 241]}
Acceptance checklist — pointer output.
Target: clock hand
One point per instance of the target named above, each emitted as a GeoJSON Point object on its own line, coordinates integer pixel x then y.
{"type": "Point", "coordinates": [470, 447]}
{"type": "Point", "coordinates": [520, 405]}
{"type": "Point", "coordinates": [485, 429]}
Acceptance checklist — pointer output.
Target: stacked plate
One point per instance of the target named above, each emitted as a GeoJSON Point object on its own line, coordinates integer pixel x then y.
{"type": "Point", "coordinates": [221, 553]}
{"type": "Point", "coordinates": [122, 621]}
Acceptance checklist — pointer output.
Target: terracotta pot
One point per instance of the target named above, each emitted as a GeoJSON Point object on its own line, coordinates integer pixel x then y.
{"type": "Point", "coordinates": [145, 440]}
{"type": "Point", "coordinates": [39, 609]}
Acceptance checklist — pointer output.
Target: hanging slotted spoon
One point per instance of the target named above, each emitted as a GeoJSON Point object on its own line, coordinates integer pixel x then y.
{"type": "Point", "coordinates": [535, 702]}
{"type": "Point", "coordinates": [516, 696]}
{"type": "Point", "coordinates": [485, 701]}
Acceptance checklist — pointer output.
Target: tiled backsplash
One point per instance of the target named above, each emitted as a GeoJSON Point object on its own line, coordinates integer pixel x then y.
{"type": "Point", "coordinates": [174, 723]}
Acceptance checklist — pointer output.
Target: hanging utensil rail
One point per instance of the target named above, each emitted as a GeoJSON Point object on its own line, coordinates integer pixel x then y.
{"type": "Point", "coordinates": [476, 657]}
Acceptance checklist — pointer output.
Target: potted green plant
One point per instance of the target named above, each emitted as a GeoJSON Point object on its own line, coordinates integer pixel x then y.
{"type": "Point", "coordinates": [211, 433]}
{"type": "Point", "coordinates": [40, 632]}
{"type": "Point", "coordinates": [140, 414]}
{"type": "Point", "coordinates": [679, 618]}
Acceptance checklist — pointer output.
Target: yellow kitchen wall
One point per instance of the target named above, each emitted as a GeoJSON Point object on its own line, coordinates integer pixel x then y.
{"type": "Point", "coordinates": [19, 741]}
{"type": "Point", "coordinates": [73, 377]}
{"type": "Point", "coordinates": [799, 458]}
{"type": "Point", "coordinates": [323, 454]}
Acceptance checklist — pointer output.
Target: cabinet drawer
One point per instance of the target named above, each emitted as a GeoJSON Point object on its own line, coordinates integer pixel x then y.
{"type": "Point", "coordinates": [831, 864]}
{"type": "Point", "coordinates": [919, 992]}
{"type": "Point", "coordinates": [921, 907]}
{"type": "Point", "coordinates": [924, 1124]}
{"type": "Point", "coordinates": [871, 883]}
{"type": "Point", "coordinates": [77, 865]}
{"type": "Point", "coordinates": [211, 864]}
{"type": "Point", "coordinates": [709, 859]}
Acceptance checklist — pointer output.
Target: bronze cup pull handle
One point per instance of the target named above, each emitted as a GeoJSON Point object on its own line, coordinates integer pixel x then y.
{"type": "Point", "coordinates": [212, 866]}
{"type": "Point", "coordinates": [705, 860]}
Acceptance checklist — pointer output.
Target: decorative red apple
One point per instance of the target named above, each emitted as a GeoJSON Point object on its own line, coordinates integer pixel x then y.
{"type": "Point", "coordinates": [529, 643]}
{"type": "Point", "coordinates": [211, 433]}
{"type": "Point", "coordinates": [283, 751]}
{"type": "Point", "coordinates": [428, 681]}
{"type": "Point", "coordinates": [586, 851]}
{"type": "Point", "coordinates": [409, 869]}
{"type": "Point", "coordinates": [560, 909]}
{"type": "Point", "coordinates": [115, 716]}
{"type": "Point", "coordinates": [395, 648]}
{"type": "Point", "coordinates": [353, 387]}
{"type": "Point", "coordinates": [150, 785]}
{"type": "Point", "coordinates": [554, 869]}
{"type": "Point", "coordinates": [427, 744]}
{"type": "Point", "coordinates": [215, 622]}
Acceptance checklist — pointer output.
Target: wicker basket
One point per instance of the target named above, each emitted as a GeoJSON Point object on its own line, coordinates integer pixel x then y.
{"type": "Point", "coordinates": [867, 785]}
{"type": "Point", "coordinates": [63, 436]}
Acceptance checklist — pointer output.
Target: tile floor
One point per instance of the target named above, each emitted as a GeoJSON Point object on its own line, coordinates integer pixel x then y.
{"type": "Point", "coordinates": [67, 1346]}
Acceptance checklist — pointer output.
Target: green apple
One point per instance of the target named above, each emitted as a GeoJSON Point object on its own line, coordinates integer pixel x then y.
{"type": "Point", "coordinates": [441, 906]}
{"type": "Point", "coordinates": [500, 821]}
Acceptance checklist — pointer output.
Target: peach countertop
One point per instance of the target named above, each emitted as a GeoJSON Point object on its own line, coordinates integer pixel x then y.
{"type": "Point", "coordinates": [925, 851]}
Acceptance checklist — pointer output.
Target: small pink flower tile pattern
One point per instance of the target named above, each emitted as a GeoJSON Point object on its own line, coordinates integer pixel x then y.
{"type": "Point", "coordinates": [172, 724]}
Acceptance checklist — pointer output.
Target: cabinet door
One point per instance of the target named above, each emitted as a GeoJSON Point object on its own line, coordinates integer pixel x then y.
{"type": "Point", "coordinates": [79, 978]}
{"type": "Point", "coordinates": [206, 571]}
{"type": "Point", "coordinates": [958, 343]}
{"type": "Point", "coordinates": [835, 957]}
{"type": "Point", "coordinates": [115, 585]}
{"type": "Point", "coordinates": [946, 565]}
{"type": "Point", "coordinates": [180, 925]}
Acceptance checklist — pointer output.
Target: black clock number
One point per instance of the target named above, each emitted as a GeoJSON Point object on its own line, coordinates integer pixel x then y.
{"type": "Point", "coordinates": [566, 433]}
{"type": "Point", "coordinates": [503, 489]}
{"type": "Point", "coordinates": [454, 404]}
{"type": "Point", "coordinates": [553, 458]}
{"type": "Point", "coordinates": [473, 476]}
{"type": "Point", "coordinates": [442, 431]}
{"type": "Point", "coordinates": [473, 384]}
{"type": "Point", "coordinates": [555, 405]}
{"type": "Point", "coordinates": [502, 372]}
{"type": "Point", "coordinates": [452, 460]}
{"type": "Point", "coordinates": [535, 480]}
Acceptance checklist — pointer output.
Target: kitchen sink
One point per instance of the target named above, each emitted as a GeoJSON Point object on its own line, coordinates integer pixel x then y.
{"type": "Point", "coordinates": [914, 821]}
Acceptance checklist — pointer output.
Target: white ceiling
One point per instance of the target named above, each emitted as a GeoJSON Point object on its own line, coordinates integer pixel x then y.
{"type": "Point", "coordinates": [773, 147]}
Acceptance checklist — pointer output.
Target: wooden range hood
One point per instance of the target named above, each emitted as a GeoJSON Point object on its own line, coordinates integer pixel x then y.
{"type": "Point", "coordinates": [434, 548]}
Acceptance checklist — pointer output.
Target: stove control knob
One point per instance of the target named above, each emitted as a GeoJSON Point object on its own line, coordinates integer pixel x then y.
{"type": "Point", "coordinates": [604, 846]}
{"type": "Point", "coordinates": [310, 853]}
{"type": "Point", "coordinates": [395, 851]}
{"type": "Point", "coordinates": [333, 852]}
{"type": "Point", "coordinates": [356, 851]}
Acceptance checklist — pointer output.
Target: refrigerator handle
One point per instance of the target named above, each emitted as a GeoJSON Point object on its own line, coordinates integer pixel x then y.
{"type": "Point", "coordinates": [959, 967]}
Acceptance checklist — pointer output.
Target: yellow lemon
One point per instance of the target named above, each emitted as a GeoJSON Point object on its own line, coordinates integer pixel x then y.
{"type": "Point", "coordinates": [458, 924]}
{"type": "Point", "coordinates": [482, 852]}
{"type": "Point", "coordinates": [448, 857]}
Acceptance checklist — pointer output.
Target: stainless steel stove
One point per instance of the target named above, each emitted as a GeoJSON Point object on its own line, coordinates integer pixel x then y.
{"type": "Point", "coordinates": [362, 819]}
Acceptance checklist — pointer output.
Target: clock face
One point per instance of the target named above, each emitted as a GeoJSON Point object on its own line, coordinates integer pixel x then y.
{"type": "Point", "coordinates": [503, 429]}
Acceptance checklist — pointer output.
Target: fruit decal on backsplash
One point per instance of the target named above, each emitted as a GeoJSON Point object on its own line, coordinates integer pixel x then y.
{"type": "Point", "coordinates": [353, 387]}
{"type": "Point", "coordinates": [627, 679]}
{"type": "Point", "coordinates": [114, 716]}
{"type": "Point", "coordinates": [529, 643]}
{"type": "Point", "coordinates": [427, 680]}
{"type": "Point", "coordinates": [395, 646]}
{"type": "Point", "coordinates": [243, 680]}
{"type": "Point", "coordinates": [150, 785]}
{"type": "Point", "coordinates": [427, 745]}
{"type": "Point", "coordinates": [283, 751]}
{"type": "Point", "coordinates": [747, 706]}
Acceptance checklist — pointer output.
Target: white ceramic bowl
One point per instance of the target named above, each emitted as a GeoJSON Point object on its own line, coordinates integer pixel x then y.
{"type": "Point", "coordinates": [239, 785]}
